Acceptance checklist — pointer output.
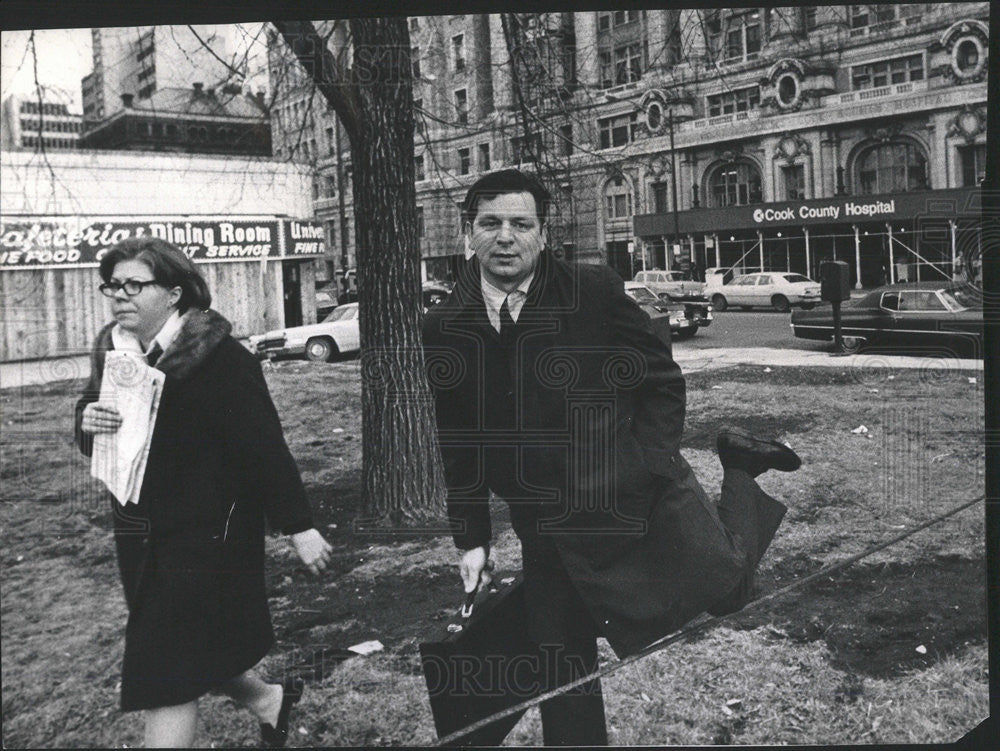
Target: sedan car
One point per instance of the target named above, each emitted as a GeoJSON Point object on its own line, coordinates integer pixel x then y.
{"type": "Point", "coordinates": [771, 289]}
{"type": "Point", "coordinates": [335, 335]}
{"type": "Point", "coordinates": [669, 313]}
{"type": "Point", "coordinates": [945, 316]}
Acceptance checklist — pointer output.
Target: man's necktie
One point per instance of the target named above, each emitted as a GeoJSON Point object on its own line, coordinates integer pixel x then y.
{"type": "Point", "coordinates": [154, 354]}
{"type": "Point", "coordinates": [506, 321]}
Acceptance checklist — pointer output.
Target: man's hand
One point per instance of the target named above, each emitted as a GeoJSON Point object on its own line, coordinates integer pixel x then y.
{"type": "Point", "coordinates": [471, 566]}
{"type": "Point", "coordinates": [100, 417]}
{"type": "Point", "coordinates": [313, 550]}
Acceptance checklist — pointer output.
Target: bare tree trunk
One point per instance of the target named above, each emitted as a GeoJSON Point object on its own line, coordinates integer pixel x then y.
{"type": "Point", "coordinates": [403, 476]}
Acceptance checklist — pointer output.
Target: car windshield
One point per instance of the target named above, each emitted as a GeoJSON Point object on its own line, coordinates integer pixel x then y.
{"type": "Point", "coordinates": [343, 313]}
{"type": "Point", "coordinates": [964, 296]}
{"type": "Point", "coordinates": [794, 278]}
{"type": "Point", "coordinates": [641, 294]}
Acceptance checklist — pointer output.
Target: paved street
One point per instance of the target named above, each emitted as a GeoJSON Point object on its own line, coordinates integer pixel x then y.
{"type": "Point", "coordinates": [758, 328]}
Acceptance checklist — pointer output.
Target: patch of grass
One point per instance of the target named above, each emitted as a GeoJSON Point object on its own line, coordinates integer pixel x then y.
{"type": "Point", "coordinates": [63, 613]}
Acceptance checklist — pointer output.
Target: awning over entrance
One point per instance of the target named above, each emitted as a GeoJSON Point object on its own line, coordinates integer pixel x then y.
{"type": "Point", "coordinates": [944, 204]}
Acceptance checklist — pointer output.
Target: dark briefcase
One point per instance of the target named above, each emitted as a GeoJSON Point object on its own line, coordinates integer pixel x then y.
{"type": "Point", "coordinates": [485, 667]}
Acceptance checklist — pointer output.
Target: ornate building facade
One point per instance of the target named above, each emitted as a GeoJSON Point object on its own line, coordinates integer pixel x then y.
{"type": "Point", "coordinates": [753, 138]}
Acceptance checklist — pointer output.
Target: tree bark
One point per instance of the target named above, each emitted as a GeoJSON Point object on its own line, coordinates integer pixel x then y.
{"type": "Point", "coordinates": [403, 482]}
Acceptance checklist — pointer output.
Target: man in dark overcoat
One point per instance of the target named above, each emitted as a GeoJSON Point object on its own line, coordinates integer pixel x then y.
{"type": "Point", "coordinates": [553, 392]}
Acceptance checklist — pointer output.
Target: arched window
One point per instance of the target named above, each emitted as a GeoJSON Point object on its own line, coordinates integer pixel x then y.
{"type": "Point", "coordinates": [891, 168]}
{"type": "Point", "coordinates": [735, 184]}
{"type": "Point", "coordinates": [617, 200]}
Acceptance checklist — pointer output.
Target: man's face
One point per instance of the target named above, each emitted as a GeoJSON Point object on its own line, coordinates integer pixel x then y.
{"type": "Point", "coordinates": [507, 237]}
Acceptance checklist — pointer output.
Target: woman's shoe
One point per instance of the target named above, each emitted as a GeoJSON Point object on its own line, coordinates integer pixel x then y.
{"type": "Point", "coordinates": [275, 736]}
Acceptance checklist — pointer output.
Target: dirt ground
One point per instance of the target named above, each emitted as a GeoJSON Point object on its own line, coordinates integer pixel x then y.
{"type": "Point", "coordinates": [916, 608]}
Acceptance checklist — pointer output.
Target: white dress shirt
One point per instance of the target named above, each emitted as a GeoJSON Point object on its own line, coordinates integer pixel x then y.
{"type": "Point", "coordinates": [129, 342]}
{"type": "Point", "coordinates": [494, 297]}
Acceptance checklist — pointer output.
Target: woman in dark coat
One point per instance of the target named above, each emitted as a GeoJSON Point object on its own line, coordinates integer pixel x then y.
{"type": "Point", "coordinates": [191, 551]}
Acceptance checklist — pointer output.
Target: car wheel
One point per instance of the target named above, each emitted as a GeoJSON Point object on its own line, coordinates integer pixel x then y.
{"type": "Point", "coordinates": [852, 344]}
{"type": "Point", "coordinates": [687, 334]}
{"type": "Point", "coordinates": [808, 305]}
{"type": "Point", "coordinates": [780, 303]}
{"type": "Point", "coordinates": [719, 302]}
{"type": "Point", "coordinates": [320, 350]}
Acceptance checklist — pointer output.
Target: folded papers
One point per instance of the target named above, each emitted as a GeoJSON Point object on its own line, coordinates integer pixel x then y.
{"type": "Point", "coordinates": [119, 458]}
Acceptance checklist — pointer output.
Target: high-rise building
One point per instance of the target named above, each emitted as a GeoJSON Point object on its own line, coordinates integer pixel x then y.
{"type": "Point", "coordinates": [754, 137]}
{"type": "Point", "coordinates": [139, 61]}
{"type": "Point", "coordinates": [32, 123]}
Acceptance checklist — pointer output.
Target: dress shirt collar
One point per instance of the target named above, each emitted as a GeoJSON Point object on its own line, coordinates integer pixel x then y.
{"type": "Point", "coordinates": [494, 297]}
{"type": "Point", "coordinates": [126, 340]}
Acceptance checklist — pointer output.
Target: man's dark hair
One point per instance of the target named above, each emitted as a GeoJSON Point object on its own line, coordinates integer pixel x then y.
{"type": "Point", "coordinates": [500, 183]}
{"type": "Point", "coordinates": [169, 265]}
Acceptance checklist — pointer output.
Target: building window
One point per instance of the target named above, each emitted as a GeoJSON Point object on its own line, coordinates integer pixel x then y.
{"type": "Point", "coordinates": [616, 18]}
{"type": "Point", "coordinates": [659, 197]}
{"type": "Point", "coordinates": [415, 61]}
{"type": "Point", "coordinates": [734, 35]}
{"type": "Point", "coordinates": [525, 150]}
{"type": "Point", "coordinates": [147, 91]}
{"type": "Point", "coordinates": [794, 178]}
{"type": "Point", "coordinates": [414, 23]}
{"type": "Point", "coordinates": [461, 106]}
{"type": "Point", "coordinates": [484, 157]}
{"type": "Point", "coordinates": [566, 136]}
{"type": "Point", "coordinates": [617, 200]}
{"type": "Point", "coordinates": [809, 16]}
{"type": "Point", "coordinates": [621, 65]}
{"type": "Point", "coordinates": [886, 72]}
{"type": "Point", "coordinates": [735, 185]}
{"type": "Point", "coordinates": [973, 164]}
{"type": "Point", "coordinates": [420, 221]}
{"type": "Point", "coordinates": [740, 100]}
{"type": "Point", "coordinates": [331, 142]}
{"type": "Point", "coordinates": [882, 16]}
{"type": "Point", "coordinates": [418, 167]}
{"type": "Point", "coordinates": [464, 161]}
{"type": "Point", "coordinates": [458, 51]}
{"type": "Point", "coordinates": [891, 168]}
{"type": "Point", "coordinates": [617, 131]}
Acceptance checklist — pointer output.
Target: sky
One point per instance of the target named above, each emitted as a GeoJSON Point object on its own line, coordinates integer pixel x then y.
{"type": "Point", "coordinates": [64, 57]}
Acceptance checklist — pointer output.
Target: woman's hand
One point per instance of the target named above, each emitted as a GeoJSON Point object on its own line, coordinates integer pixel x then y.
{"type": "Point", "coordinates": [313, 550]}
{"type": "Point", "coordinates": [100, 417]}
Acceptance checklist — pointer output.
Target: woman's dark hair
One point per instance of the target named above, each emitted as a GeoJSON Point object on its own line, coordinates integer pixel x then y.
{"type": "Point", "coordinates": [169, 265]}
{"type": "Point", "coordinates": [502, 182]}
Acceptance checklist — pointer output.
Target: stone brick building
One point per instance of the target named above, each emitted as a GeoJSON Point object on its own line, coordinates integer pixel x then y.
{"type": "Point", "coordinates": [769, 137]}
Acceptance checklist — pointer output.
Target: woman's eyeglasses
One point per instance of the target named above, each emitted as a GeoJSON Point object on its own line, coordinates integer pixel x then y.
{"type": "Point", "coordinates": [132, 287]}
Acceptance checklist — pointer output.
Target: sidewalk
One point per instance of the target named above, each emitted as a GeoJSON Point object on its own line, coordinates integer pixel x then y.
{"type": "Point", "coordinates": [36, 372]}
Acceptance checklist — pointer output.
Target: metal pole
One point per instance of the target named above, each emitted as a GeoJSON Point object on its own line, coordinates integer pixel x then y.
{"type": "Point", "coordinates": [806, 230]}
{"type": "Point", "coordinates": [892, 257]}
{"type": "Point", "coordinates": [954, 249]}
{"type": "Point", "coordinates": [857, 257]}
{"type": "Point", "coordinates": [760, 243]}
{"type": "Point", "coordinates": [718, 257]}
{"type": "Point", "coordinates": [673, 179]}
{"type": "Point", "coordinates": [340, 197]}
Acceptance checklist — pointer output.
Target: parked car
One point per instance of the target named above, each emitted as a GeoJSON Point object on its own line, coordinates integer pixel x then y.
{"type": "Point", "coordinates": [335, 335]}
{"type": "Point", "coordinates": [716, 278]}
{"type": "Point", "coordinates": [944, 315]}
{"type": "Point", "coordinates": [780, 290]}
{"type": "Point", "coordinates": [672, 283]}
{"type": "Point", "coordinates": [662, 313]}
{"type": "Point", "coordinates": [434, 293]}
{"type": "Point", "coordinates": [326, 300]}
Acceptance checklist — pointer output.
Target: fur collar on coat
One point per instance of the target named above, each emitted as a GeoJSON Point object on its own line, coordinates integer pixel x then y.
{"type": "Point", "coordinates": [200, 333]}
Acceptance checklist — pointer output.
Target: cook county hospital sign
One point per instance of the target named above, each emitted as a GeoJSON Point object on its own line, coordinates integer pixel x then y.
{"type": "Point", "coordinates": [849, 210]}
{"type": "Point", "coordinates": [43, 242]}
{"type": "Point", "coordinates": [931, 205]}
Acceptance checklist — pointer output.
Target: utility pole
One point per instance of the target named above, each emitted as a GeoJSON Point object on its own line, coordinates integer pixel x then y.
{"type": "Point", "coordinates": [340, 201]}
{"type": "Point", "coordinates": [673, 179]}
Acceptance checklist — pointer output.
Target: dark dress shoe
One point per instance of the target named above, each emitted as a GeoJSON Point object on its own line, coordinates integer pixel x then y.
{"type": "Point", "coordinates": [739, 449]}
{"type": "Point", "coordinates": [275, 736]}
